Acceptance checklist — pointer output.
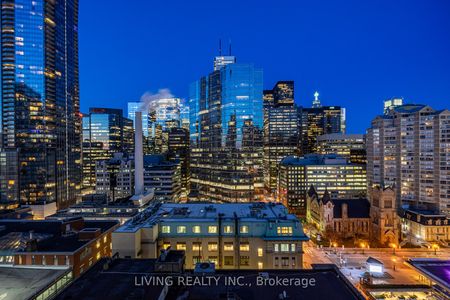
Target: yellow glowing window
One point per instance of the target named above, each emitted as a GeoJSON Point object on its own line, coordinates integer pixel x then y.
{"type": "Point", "coordinates": [260, 252]}
{"type": "Point", "coordinates": [181, 246]}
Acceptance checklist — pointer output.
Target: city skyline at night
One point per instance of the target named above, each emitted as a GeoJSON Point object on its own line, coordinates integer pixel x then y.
{"type": "Point", "coordinates": [224, 150]}
{"type": "Point", "coordinates": [347, 51]}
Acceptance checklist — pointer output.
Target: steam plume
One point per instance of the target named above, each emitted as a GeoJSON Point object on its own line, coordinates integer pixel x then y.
{"type": "Point", "coordinates": [148, 99]}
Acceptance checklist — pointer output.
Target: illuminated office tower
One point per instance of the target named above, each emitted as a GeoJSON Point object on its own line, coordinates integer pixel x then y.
{"type": "Point", "coordinates": [324, 172]}
{"type": "Point", "coordinates": [408, 149]}
{"type": "Point", "coordinates": [351, 146]}
{"type": "Point", "coordinates": [184, 116]}
{"type": "Point", "coordinates": [133, 107]}
{"type": "Point", "coordinates": [178, 150]}
{"type": "Point", "coordinates": [105, 132]}
{"type": "Point", "coordinates": [317, 121]}
{"type": "Point", "coordinates": [161, 115]}
{"type": "Point", "coordinates": [281, 130]}
{"type": "Point", "coordinates": [40, 122]}
{"type": "Point", "coordinates": [226, 122]}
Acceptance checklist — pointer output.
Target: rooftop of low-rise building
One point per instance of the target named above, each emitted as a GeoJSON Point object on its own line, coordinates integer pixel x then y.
{"type": "Point", "coordinates": [47, 235]}
{"type": "Point", "coordinates": [126, 279]}
{"type": "Point", "coordinates": [204, 211]}
{"type": "Point", "coordinates": [27, 283]}
{"type": "Point", "coordinates": [436, 270]}
{"type": "Point", "coordinates": [425, 217]}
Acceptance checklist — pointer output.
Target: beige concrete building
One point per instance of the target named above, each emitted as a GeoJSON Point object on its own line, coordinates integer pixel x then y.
{"type": "Point", "coordinates": [233, 236]}
{"type": "Point", "coordinates": [408, 148]}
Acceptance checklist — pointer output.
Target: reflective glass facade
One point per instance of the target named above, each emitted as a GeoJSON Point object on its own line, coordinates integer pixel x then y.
{"type": "Point", "coordinates": [226, 122]}
{"type": "Point", "coordinates": [105, 132]}
{"type": "Point", "coordinates": [40, 121]}
{"type": "Point", "coordinates": [281, 130]}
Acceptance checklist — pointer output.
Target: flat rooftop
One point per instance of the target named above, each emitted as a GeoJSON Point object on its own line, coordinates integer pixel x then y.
{"type": "Point", "coordinates": [24, 283]}
{"type": "Point", "coordinates": [50, 235]}
{"type": "Point", "coordinates": [434, 269]}
{"type": "Point", "coordinates": [122, 280]}
{"type": "Point", "coordinates": [188, 212]}
{"type": "Point", "coordinates": [117, 282]}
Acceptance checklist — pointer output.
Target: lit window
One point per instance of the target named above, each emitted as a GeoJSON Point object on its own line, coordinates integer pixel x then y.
{"type": "Point", "coordinates": [276, 248]}
{"type": "Point", "coordinates": [213, 259]}
{"type": "Point", "coordinates": [212, 247]}
{"type": "Point", "coordinates": [181, 229]}
{"type": "Point", "coordinates": [196, 246]}
{"type": "Point", "coordinates": [196, 229]}
{"type": "Point", "coordinates": [244, 229]}
{"type": "Point", "coordinates": [244, 247]}
{"type": "Point", "coordinates": [284, 230]}
{"type": "Point", "coordinates": [166, 245]}
{"type": "Point", "coordinates": [181, 246]}
{"type": "Point", "coordinates": [228, 229]}
{"type": "Point", "coordinates": [104, 239]}
{"type": "Point", "coordinates": [212, 229]}
{"type": "Point", "coordinates": [260, 265]}
{"type": "Point", "coordinates": [98, 256]}
{"type": "Point", "coordinates": [165, 229]}
{"type": "Point", "coordinates": [228, 247]}
{"type": "Point", "coordinates": [292, 247]}
{"type": "Point", "coordinates": [260, 252]}
{"type": "Point", "coordinates": [284, 247]}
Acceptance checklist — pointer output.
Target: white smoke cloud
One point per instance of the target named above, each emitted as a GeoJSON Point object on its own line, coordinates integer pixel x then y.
{"type": "Point", "coordinates": [148, 98]}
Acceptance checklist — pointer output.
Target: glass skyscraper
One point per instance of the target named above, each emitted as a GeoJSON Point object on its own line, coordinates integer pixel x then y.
{"type": "Point", "coordinates": [40, 121]}
{"type": "Point", "coordinates": [105, 132]}
{"type": "Point", "coordinates": [317, 121]}
{"type": "Point", "coordinates": [226, 122]}
{"type": "Point", "coordinates": [281, 130]}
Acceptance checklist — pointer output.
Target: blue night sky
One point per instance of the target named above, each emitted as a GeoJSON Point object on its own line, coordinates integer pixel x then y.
{"type": "Point", "coordinates": [355, 53]}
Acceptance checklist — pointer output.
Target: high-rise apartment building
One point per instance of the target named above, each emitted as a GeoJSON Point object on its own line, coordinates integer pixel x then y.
{"type": "Point", "coordinates": [281, 130]}
{"type": "Point", "coordinates": [105, 132]}
{"type": "Point", "coordinates": [330, 173]}
{"type": "Point", "coordinates": [317, 121]}
{"type": "Point", "coordinates": [226, 122]}
{"type": "Point", "coordinates": [408, 149]}
{"type": "Point", "coordinates": [351, 146]}
{"type": "Point", "coordinates": [39, 108]}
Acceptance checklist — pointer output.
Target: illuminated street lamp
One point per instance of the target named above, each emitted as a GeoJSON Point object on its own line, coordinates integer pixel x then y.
{"type": "Point", "coordinates": [435, 247]}
{"type": "Point", "coordinates": [394, 260]}
{"type": "Point", "coordinates": [394, 246]}
{"type": "Point", "coordinates": [363, 245]}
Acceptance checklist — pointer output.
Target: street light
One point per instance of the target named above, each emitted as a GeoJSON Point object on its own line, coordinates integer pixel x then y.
{"type": "Point", "coordinates": [435, 247]}
{"type": "Point", "coordinates": [394, 246]}
{"type": "Point", "coordinates": [363, 245]}
{"type": "Point", "coordinates": [394, 260]}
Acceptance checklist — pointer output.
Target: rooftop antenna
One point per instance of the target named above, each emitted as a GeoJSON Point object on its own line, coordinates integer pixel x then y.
{"type": "Point", "coordinates": [230, 47]}
{"type": "Point", "coordinates": [220, 47]}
